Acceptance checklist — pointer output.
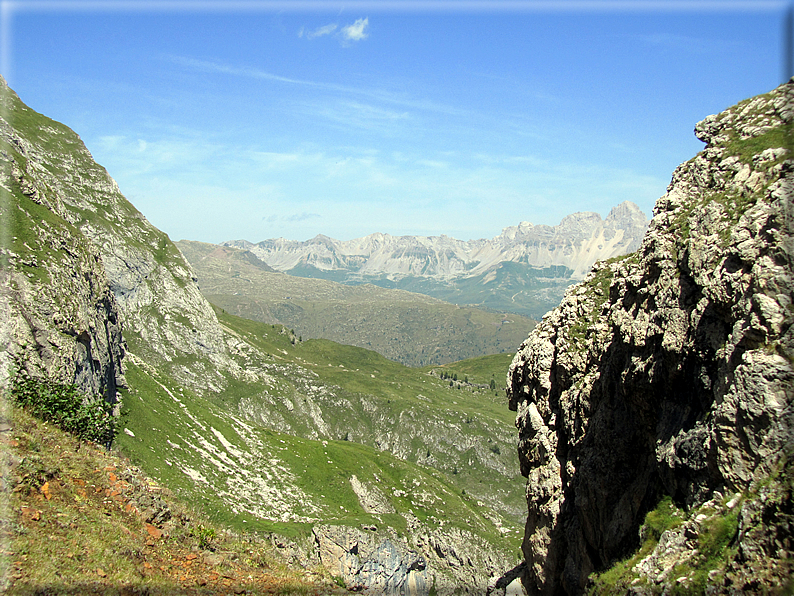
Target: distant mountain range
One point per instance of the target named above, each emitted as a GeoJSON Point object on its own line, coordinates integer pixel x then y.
{"type": "Point", "coordinates": [523, 270]}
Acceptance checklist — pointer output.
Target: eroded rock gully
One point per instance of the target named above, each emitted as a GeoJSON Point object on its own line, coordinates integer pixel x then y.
{"type": "Point", "coordinates": [669, 371]}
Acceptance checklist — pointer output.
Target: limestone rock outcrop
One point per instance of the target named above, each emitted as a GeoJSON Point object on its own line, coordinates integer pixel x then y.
{"type": "Point", "coordinates": [80, 263]}
{"type": "Point", "coordinates": [379, 561]}
{"type": "Point", "coordinates": [669, 372]}
{"type": "Point", "coordinates": [58, 315]}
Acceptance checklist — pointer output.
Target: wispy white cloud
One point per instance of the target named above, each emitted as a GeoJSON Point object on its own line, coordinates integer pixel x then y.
{"type": "Point", "coordinates": [433, 163]}
{"type": "Point", "coordinates": [261, 192]}
{"type": "Point", "coordinates": [292, 218]}
{"type": "Point", "coordinates": [351, 114]}
{"type": "Point", "coordinates": [319, 32]}
{"type": "Point", "coordinates": [269, 160]}
{"type": "Point", "coordinates": [687, 43]}
{"type": "Point", "coordinates": [301, 216]}
{"type": "Point", "coordinates": [253, 73]}
{"type": "Point", "coordinates": [145, 156]}
{"type": "Point", "coordinates": [357, 31]}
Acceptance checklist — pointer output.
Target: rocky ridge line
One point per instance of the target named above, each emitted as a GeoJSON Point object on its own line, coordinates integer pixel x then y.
{"type": "Point", "coordinates": [576, 242]}
{"type": "Point", "coordinates": [525, 270]}
{"type": "Point", "coordinates": [67, 215]}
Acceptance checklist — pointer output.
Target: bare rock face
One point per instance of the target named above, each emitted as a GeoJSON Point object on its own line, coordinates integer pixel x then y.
{"type": "Point", "coordinates": [420, 562]}
{"type": "Point", "coordinates": [376, 564]}
{"type": "Point", "coordinates": [81, 262]}
{"type": "Point", "coordinates": [58, 315]}
{"type": "Point", "coordinates": [669, 372]}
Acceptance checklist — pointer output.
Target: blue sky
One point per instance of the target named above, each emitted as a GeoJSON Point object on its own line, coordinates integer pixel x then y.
{"type": "Point", "coordinates": [257, 120]}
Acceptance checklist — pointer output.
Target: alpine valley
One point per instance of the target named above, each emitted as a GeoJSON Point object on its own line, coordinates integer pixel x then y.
{"type": "Point", "coordinates": [407, 327]}
{"type": "Point", "coordinates": [397, 295]}
{"type": "Point", "coordinates": [653, 405]}
{"type": "Point", "coordinates": [356, 467]}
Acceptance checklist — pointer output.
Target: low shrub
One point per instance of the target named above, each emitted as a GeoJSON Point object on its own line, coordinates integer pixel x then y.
{"type": "Point", "coordinates": [89, 417]}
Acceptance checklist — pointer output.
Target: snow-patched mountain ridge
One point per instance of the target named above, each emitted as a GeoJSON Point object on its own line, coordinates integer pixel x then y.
{"type": "Point", "coordinates": [577, 242]}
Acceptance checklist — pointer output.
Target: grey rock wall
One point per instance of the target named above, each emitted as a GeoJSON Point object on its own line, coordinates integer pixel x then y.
{"type": "Point", "coordinates": [382, 562]}
{"type": "Point", "coordinates": [668, 372]}
{"type": "Point", "coordinates": [82, 263]}
{"type": "Point", "coordinates": [59, 318]}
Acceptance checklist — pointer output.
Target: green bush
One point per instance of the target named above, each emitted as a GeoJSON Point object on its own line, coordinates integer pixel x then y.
{"type": "Point", "coordinates": [87, 416]}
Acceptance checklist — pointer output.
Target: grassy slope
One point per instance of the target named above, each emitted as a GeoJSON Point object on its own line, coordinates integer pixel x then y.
{"type": "Point", "coordinates": [221, 457]}
{"type": "Point", "coordinates": [71, 171]}
{"type": "Point", "coordinates": [74, 526]}
{"type": "Point", "coordinates": [479, 371]}
{"type": "Point", "coordinates": [472, 415]}
{"type": "Point", "coordinates": [250, 477]}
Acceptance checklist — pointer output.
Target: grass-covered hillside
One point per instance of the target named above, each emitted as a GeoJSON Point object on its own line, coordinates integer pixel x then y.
{"type": "Point", "coordinates": [80, 520]}
{"type": "Point", "coordinates": [258, 430]}
{"type": "Point", "coordinates": [320, 413]}
{"type": "Point", "coordinates": [410, 328]}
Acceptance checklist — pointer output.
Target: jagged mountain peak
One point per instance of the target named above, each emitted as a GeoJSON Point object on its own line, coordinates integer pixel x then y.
{"type": "Point", "coordinates": [626, 211]}
{"type": "Point", "coordinates": [576, 243]}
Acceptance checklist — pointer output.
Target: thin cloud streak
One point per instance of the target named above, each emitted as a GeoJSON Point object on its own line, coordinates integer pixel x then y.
{"type": "Point", "coordinates": [293, 218]}
{"type": "Point", "coordinates": [301, 217]}
{"type": "Point", "coordinates": [350, 114]}
{"type": "Point", "coordinates": [254, 73]}
{"type": "Point", "coordinates": [365, 179]}
{"type": "Point", "coordinates": [683, 42]}
{"type": "Point", "coordinates": [319, 32]}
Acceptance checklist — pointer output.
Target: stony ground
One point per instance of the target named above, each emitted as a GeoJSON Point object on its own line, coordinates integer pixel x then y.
{"type": "Point", "coordinates": [80, 520]}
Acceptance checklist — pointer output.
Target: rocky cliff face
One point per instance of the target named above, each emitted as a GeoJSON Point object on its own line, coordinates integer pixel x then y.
{"type": "Point", "coordinates": [669, 373]}
{"type": "Point", "coordinates": [382, 562]}
{"type": "Point", "coordinates": [60, 318]}
{"type": "Point", "coordinates": [82, 259]}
